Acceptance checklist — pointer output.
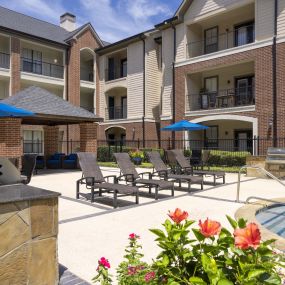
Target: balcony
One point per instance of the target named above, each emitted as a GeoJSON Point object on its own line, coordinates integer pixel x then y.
{"type": "Point", "coordinates": [86, 74]}
{"type": "Point", "coordinates": [229, 98]}
{"type": "Point", "coordinates": [214, 42]}
{"type": "Point", "coordinates": [115, 73]}
{"type": "Point", "coordinates": [4, 60]}
{"type": "Point", "coordinates": [42, 68]}
{"type": "Point", "coordinates": [116, 113]}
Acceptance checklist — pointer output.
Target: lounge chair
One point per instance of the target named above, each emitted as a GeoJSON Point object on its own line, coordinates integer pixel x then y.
{"type": "Point", "coordinates": [28, 167]}
{"type": "Point", "coordinates": [130, 175]}
{"type": "Point", "coordinates": [186, 167]}
{"type": "Point", "coordinates": [9, 173]}
{"type": "Point", "coordinates": [161, 170]}
{"type": "Point", "coordinates": [93, 178]}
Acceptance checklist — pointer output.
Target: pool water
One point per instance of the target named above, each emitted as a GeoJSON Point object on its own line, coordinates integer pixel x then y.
{"type": "Point", "coordinates": [273, 218]}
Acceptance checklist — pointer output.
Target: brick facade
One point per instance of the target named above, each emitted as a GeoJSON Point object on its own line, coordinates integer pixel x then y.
{"type": "Point", "coordinates": [51, 138]}
{"type": "Point", "coordinates": [10, 139]}
{"type": "Point", "coordinates": [15, 81]}
{"type": "Point", "coordinates": [262, 58]}
{"type": "Point", "coordinates": [88, 137]}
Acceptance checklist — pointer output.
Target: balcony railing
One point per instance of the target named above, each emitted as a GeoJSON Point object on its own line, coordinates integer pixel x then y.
{"type": "Point", "coordinates": [229, 98]}
{"type": "Point", "coordinates": [238, 37]}
{"type": "Point", "coordinates": [4, 60]}
{"type": "Point", "coordinates": [116, 73]}
{"type": "Point", "coordinates": [88, 108]}
{"type": "Point", "coordinates": [114, 113]}
{"type": "Point", "coordinates": [87, 74]}
{"type": "Point", "coordinates": [42, 68]}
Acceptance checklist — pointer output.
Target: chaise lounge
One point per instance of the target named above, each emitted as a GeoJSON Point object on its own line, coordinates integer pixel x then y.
{"type": "Point", "coordinates": [130, 175]}
{"type": "Point", "coordinates": [93, 178]}
{"type": "Point", "coordinates": [187, 168]}
{"type": "Point", "coordinates": [161, 170]}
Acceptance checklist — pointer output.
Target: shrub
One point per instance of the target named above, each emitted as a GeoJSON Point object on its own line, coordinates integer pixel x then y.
{"type": "Point", "coordinates": [227, 158]}
{"type": "Point", "coordinates": [215, 256]}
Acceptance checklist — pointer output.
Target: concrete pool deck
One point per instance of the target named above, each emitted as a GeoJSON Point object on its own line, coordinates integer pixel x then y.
{"type": "Point", "coordinates": [88, 231]}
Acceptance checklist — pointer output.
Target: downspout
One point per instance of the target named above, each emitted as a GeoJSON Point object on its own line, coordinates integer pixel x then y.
{"type": "Point", "coordinates": [274, 72]}
{"type": "Point", "coordinates": [67, 54]}
{"type": "Point", "coordinates": [173, 85]}
{"type": "Point", "coordinates": [144, 82]}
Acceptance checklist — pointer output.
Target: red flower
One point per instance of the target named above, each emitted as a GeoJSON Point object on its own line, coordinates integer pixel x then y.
{"type": "Point", "coordinates": [104, 262]}
{"type": "Point", "coordinates": [178, 216]}
{"type": "Point", "coordinates": [132, 270]}
{"type": "Point", "coordinates": [209, 228]}
{"type": "Point", "coordinates": [247, 237]}
{"type": "Point", "coordinates": [133, 236]}
{"type": "Point", "coordinates": [149, 276]}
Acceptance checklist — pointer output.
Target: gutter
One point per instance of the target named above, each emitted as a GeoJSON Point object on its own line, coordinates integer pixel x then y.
{"type": "Point", "coordinates": [274, 73]}
{"type": "Point", "coordinates": [67, 57]}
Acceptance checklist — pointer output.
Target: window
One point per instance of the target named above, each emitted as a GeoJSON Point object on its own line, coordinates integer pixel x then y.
{"type": "Point", "coordinates": [124, 67]}
{"type": "Point", "coordinates": [33, 142]}
{"type": "Point", "coordinates": [244, 34]}
{"type": "Point", "coordinates": [31, 61]}
{"type": "Point", "coordinates": [211, 137]}
{"type": "Point", "coordinates": [211, 39]}
{"type": "Point", "coordinates": [245, 87]}
{"type": "Point", "coordinates": [209, 93]}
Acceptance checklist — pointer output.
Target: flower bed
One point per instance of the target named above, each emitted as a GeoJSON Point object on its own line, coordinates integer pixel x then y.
{"type": "Point", "coordinates": [215, 256]}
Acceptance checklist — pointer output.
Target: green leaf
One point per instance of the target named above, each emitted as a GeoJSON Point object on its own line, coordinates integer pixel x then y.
{"type": "Point", "coordinates": [225, 282]}
{"type": "Point", "coordinates": [273, 279]}
{"type": "Point", "coordinates": [232, 222]}
{"type": "Point", "coordinates": [242, 223]}
{"type": "Point", "coordinates": [197, 280]}
{"type": "Point", "coordinates": [198, 235]}
{"type": "Point", "coordinates": [255, 273]}
{"type": "Point", "coordinates": [165, 260]}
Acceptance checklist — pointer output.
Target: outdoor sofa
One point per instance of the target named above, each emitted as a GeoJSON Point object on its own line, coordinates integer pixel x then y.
{"type": "Point", "coordinates": [93, 178]}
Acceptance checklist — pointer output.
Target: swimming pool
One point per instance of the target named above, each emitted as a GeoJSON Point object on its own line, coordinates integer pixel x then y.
{"type": "Point", "coordinates": [273, 218]}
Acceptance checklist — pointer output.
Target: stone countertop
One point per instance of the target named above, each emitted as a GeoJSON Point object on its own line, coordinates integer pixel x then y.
{"type": "Point", "coordinates": [21, 192]}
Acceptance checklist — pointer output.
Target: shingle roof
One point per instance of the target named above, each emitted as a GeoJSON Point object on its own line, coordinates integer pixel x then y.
{"type": "Point", "coordinates": [18, 22]}
{"type": "Point", "coordinates": [42, 102]}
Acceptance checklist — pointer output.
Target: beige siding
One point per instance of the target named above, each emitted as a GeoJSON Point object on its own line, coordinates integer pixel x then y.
{"type": "Point", "coordinates": [180, 42]}
{"type": "Point", "coordinates": [264, 19]}
{"type": "Point", "coordinates": [135, 80]}
{"type": "Point", "coordinates": [4, 89]}
{"type": "Point", "coordinates": [167, 57]}
{"type": "Point", "coordinates": [4, 44]}
{"type": "Point", "coordinates": [204, 7]}
{"type": "Point", "coordinates": [281, 18]}
{"type": "Point", "coordinates": [153, 78]}
{"type": "Point", "coordinates": [102, 102]}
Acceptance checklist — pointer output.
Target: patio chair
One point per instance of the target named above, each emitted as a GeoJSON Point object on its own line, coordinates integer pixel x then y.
{"type": "Point", "coordinates": [28, 167]}
{"type": "Point", "coordinates": [70, 161]}
{"type": "Point", "coordinates": [196, 158]}
{"type": "Point", "coordinates": [130, 175]}
{"type": "Point", "coordinates": [93, 178]}
{"type": "Point", "coordinates": [161, 170]}
{"type": "Point", "coordinates": [40, 162]}
{"type": "Point", "coordinates": [55, 161]}
{"type": "Point", "coordinates": [186, 168]}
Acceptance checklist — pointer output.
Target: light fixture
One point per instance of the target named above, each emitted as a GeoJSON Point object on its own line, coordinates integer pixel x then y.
{"type": "Point", "coordinates": [55, 61]}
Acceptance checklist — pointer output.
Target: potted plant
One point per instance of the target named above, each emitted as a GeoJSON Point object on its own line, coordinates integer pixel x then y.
{"type": "Point", "coordinates": [137, 157]}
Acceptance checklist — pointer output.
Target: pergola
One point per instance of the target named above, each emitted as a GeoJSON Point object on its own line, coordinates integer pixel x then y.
{"type": "Point", "coordinates": [50, 111]}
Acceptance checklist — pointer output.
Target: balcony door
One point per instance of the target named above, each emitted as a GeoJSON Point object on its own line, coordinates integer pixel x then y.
{"type": "Point", "coordinates": [243, 140]}
{"type": "Point", "coordinates": [32, 61]}
{"type": "Point", "coordinates": [244, 34]}
{"type": "Point", "coordinates": [210, 92]}
{"type": "Point", "coordinates": [245, 90]}
{"type": "Point", "coordinates": [111, 68]}
{"type": "Point", "coordinates": [111, 107]}
{"type": "Point", "coordinates": [211, 40]}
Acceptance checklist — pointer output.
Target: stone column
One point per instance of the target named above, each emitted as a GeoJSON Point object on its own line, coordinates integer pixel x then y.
{"type": "Point", "coordinates": [15, 81]}
{"type": "Point", "coordinates": [10, 139]}
{"type": "Point", "coordinates": [28, 230]}
{"type": "Point", "coordinates": [88, 137]}
{"type": "Point", "coordinates": [51, 139]}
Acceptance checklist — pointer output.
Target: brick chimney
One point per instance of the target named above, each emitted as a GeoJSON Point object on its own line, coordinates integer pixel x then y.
{"type": "Point", "coordinates": [68, 22]}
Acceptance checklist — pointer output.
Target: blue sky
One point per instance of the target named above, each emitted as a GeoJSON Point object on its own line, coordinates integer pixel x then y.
{"type": "Point", "coordinates": [112, 19]}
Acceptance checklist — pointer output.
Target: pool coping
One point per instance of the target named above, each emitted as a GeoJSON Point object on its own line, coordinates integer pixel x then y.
{"type": "Point", "coordinates": [249, 211]}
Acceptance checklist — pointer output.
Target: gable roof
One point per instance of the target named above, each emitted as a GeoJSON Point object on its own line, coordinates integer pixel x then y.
{"type": "Point", "coordinates": [49, 107]}
{"type": "Point", "coordinates": [18, 22]}
{"type": "Point", "coordinates": [185, 4]}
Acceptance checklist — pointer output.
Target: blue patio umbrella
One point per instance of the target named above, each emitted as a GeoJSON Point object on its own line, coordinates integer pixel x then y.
{"type": "Point", "coordinates": [184, 126]}
{"type": "Point", "coordinates": [11, 111]}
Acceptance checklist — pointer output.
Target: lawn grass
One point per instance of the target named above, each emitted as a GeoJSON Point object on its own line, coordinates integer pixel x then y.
{"type": "Point", "coordinates": [230, 169]}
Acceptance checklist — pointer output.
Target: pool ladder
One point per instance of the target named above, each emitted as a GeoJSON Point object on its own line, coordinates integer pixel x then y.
{"type": "Point", "coordinates": [261, 170]}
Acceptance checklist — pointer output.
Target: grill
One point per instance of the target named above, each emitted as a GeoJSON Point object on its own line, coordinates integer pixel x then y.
{"type": "Point", "coordinates": [275, 161]}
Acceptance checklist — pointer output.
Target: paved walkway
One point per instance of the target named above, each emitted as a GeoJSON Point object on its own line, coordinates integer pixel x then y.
{"type": "Point", "coordinates": [88, 231]}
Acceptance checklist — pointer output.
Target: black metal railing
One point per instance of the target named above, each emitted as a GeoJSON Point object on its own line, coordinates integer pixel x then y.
{"type": "Point", "coordinates": [86, 74]}
{"type": "Point", "coordinates": [228, 98]}
{"type": "Point", "coordinates": [4, 60]}
{"type": "Point", "coordinates": [114, 113]}
{"type": "Point", "coordinates": [33, 146]}
{"type": "Point", "coordinates": [42, 68]}
{"type": "Point", "coordinates": [115, 73]}
{"type": "Point", "coordinates": [238, 37]}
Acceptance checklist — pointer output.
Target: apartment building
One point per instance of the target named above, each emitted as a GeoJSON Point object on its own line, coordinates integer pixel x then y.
{"type": "Point", "coordinates": [59, 58]}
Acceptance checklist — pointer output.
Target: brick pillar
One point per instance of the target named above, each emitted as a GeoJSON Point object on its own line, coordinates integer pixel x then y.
{"type": "Point", "coordinates": [10, 139]}
{"type": "Point", "coordinates": [88, 137]}
{"type": "Point", "coordinates": [51, 139]}
{"type": "Point", "coordinates": [15, 84]}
